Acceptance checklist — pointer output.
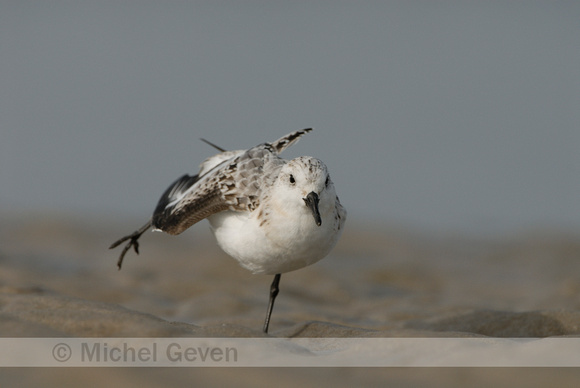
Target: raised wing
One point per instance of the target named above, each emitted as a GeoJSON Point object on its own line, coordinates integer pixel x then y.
{"type": "Point", "coordinates": [286, 141]}
{"type": "Point", "coordinates": [229, 180]}
{"type": "Point", "coordinates": [233, 183]}
{"type": "Point", "coordinates": [187, 201]}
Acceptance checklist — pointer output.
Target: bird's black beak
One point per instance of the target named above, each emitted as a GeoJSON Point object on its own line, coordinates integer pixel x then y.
{"type": "Point", "coordinates": [311, 201]}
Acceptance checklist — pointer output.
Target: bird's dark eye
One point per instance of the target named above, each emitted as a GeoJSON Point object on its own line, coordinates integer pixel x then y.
{"type": "Point", "coordinates": [292, 180]}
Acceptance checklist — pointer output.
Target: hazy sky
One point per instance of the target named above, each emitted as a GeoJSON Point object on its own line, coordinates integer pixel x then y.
{"type": "Point", "coordinates": [442, 115]}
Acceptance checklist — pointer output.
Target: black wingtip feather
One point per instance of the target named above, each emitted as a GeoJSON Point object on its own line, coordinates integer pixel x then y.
{"type": "Point", "coordinates": [179, 186]}
{"type": "Point", "coordinates": [213, 145]}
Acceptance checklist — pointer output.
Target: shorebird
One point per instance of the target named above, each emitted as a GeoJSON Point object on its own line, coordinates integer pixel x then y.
{"type": "Point", "coordinates": [272, 215]}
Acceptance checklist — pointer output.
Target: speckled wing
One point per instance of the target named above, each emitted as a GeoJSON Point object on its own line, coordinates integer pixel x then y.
{"type": "Point", "coordinates": [244, 180]}
{"type": "Point", "coordinates": [231, 180]}
{"type": "Point", "coordinates": [179, 208]}
{"type": "Point", "coordinates": [286, 141]}
{"type": "Point", "coordinates": [233, 183]}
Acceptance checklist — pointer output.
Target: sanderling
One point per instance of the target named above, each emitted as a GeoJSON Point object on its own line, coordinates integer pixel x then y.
{"type": "Point", "coordinates": [271, 215]}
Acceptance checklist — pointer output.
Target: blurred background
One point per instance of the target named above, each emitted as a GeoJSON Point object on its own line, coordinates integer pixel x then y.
{"type": "Point", "coordinates": [450, 117]}
{"type": "Point", "coordinates": [440, 116]}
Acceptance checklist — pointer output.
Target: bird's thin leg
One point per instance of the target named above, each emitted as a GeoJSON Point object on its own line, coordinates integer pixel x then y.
{"type": "Point", "coordinates": [133, 237]}
{"type": "Point", "coordinates": [273, 293]}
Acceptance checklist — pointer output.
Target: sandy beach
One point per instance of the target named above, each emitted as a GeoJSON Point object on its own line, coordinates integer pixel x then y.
{"type": "Point", "coordinates": [58, 279]}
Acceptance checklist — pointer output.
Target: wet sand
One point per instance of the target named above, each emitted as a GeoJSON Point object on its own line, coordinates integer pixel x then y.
{"type": "Point", "coordinates": [58, 279]}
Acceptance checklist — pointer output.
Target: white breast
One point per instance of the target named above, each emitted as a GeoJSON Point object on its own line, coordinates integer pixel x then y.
{"type": "Point", "coordinates": [279, 246]}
